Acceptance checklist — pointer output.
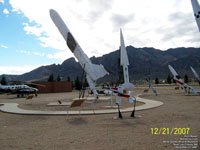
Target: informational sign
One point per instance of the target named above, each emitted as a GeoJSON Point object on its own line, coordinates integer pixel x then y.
{"type": "Point", "coordinates": [77, 102]}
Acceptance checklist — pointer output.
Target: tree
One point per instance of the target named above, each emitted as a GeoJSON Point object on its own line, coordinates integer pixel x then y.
{"type": "Point", "coordinates": [3, 80]}
{"type": "Point", "coordinates": [174, 81]}
{"type": "Point", "coordinates": [186, 78]}
{"type": "Point", "coordinates": [51, 78]}
{"type": "Point", "coordinates": [78, 84]}
{"type": "Point", "coordinates": [156, 80]}
{"type": "Point", "coordinates": [58, 79]}
{"type": "Point", "coordinates": [169, 79]}
{"type": "Point", "coordinates": [112, 76]}
{"type": "Point", "coordinates": [68, 79]}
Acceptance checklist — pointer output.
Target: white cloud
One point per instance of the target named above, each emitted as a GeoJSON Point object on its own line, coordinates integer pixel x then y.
{"type": "Point", "coordinates": [30, 53]}
{"type": "Point", "coordinates": [17, 70]}
{"type": "Point", "coordinates": [58, 55]}
{"type": "Point", "coordinates": [2, 1]}
{"type": "Point", "coordinates": [5, 11]}
{"type": "Point", "coordinates": [145, 24]}
{"type": "Point", "coordinates": [38, 54]}
{"type": "Point", "coordinates": [4, 46]}
{"type": "Point", "coordinates": [24, 52]}
{"type": "Point", "coordinates": [34, 30]}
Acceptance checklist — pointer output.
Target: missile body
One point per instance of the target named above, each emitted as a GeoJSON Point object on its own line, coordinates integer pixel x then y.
{"type": "Point", "coordinates": [196, 10]}
{"type": "Point", "coordinates": [93, 71]}
{"type": "Point", "coordinates": [175, 74]}
{"type": "Point", "coordinates": [124, 63]}
{"type": "Point", "coordinates": [180, 81]}
{"type": "Point", "coordinates": [196, 74]}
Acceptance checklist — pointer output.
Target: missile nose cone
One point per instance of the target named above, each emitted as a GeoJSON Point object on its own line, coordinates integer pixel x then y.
{"type": "Point", "coordinates": [53, 13]}
{"type": "Point", "coordinates": [51, 10]}
{"type": "Point", "coordinates": [71, 42]}
{"type": "Point", "coordinates": [121, 35]}
{"type": "Point", "coordinates": [55, 17]}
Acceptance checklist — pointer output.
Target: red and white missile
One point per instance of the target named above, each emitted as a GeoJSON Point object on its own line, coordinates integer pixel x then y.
{"type": "Point", "coordinates": [124, 62]}
{"type": "Point", "coordinates": [176, 77]}
{"type": "Point", "coordinates": [180, 81]}
{"type": "Point", "coordinates": [119, 93]}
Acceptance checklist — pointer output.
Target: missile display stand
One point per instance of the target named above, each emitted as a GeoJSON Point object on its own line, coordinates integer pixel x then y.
{"type": "Point", "coordinates": [132, 113]}
{"type": "Point", "coordinates": [119, 113]}
{"type": "Point", "coordinates": [83, 82]}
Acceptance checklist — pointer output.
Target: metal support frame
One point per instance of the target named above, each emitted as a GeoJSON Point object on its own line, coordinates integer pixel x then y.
{"type": "Point", "coordinates": [133, 112]}
{"type": "Point", "coordinates": [119, 113]}
{"type": "Point", "coordinates": [82, 90]}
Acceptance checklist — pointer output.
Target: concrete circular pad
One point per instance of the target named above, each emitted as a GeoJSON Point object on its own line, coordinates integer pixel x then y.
{"type": "Point", "coordinates": [13, 108]}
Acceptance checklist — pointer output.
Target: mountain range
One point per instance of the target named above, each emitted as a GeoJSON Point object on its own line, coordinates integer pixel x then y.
{"type": "Point", "coordinates": [143, 61]}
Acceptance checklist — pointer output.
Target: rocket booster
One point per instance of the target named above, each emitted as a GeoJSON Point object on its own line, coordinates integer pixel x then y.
{"type": "Point", "coordinates": [93, 71]}
{"type": "Point", "coordinates": [124, 62]}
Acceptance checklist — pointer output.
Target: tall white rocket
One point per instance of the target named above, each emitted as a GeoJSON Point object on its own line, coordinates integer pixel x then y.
{"type": "Point", "coordinates": [196, 10]}
{"type": "Point", "coordinates": [124, 62]}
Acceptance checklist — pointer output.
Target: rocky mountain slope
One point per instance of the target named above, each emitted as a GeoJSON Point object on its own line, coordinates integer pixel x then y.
{"type": "Point", "coordinates": [142, 61]}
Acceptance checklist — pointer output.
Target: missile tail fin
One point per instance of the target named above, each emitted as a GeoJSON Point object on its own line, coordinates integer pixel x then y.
{"type": "Point", "coordinates": [99, 71]}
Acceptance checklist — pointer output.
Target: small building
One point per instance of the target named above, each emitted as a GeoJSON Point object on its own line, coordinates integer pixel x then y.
{"type": "Point", "coordinates": [52, 87]}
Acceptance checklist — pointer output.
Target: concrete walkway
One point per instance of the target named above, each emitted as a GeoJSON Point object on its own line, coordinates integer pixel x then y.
{"type": "Point", "coordinates": [13, 108]}
{"type": "Point", "coordinates": [57, 104]}
{"type": "Point", "coordinates": [89, 100]}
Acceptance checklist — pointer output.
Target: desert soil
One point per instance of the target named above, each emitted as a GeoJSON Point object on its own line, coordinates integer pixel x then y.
{"type": "Point", "coordinates": [99, 132]}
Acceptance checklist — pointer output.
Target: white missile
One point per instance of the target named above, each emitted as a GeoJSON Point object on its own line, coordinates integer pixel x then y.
{"type": "Point", "coordinates": [196, 74]}
{"type": "Point", "coordinates": [93, 71]}
{"type": "Point", "coordinates": [172, 70]}
{"type": "Point", "coordinates": [178, 80]}
{"type": "Point", "coordinates": [123, 54]}
{"type": "Point", "coordinates": [124, 62]}
{"type": "Point", "coordinates": [196, 10]}
{"type": "Point", "coordinates": [175, 74]}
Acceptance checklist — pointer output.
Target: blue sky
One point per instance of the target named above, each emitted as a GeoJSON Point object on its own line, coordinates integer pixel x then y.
{"type": "Point", "coordinates": [17, 48]}
{"type": "Point", "coordinates": [29, 39]}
